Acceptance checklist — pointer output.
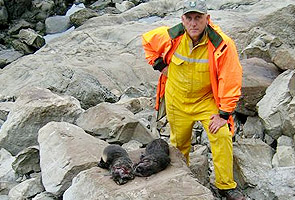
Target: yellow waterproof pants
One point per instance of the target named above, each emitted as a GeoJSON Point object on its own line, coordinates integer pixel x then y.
{"type": "Point", "coordinates": [181, 124]}
{"type": "Point", "coordinates": [189, 98]}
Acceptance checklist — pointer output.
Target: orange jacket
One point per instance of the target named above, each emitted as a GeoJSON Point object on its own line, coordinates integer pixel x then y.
{"type": "Point", "coordinates": [224, 65]}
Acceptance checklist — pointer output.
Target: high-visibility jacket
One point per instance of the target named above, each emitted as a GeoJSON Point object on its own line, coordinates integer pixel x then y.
{"type": "Point", "coordinates": [224, 65]}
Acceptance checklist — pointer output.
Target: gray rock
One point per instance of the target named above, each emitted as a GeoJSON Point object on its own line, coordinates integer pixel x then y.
{"type": "Point", "coordinates": [3, 14]}
{"type": "Point", "coordinates": [21, 24]}
{"type": "Point", "coordinates": [132, 145]}
{"type": "Point", "coordinates": [283, 57]}
{"type": "Point", "coordinates": [58, 77]}
{"type": "Point", "coordinates": [27, 189]}
{"type": "Point", "coordinates": [199, 164]}
{"type": "Point", "coordinates": [57, 24]}
{"type": "Point", "coordinates": [7, 56]}
{"type": "Point", "coordinates": [27, 161]}
{"type": "Point", "coordinates": [277, 107]}
{"type": "Point", "coordinates": [66, 150]}
{"type": "Point", "coordinates": [125, 5]}
{"type": "Point", "coordinates": [7, 175]}
{"type": "Point", "coordinates": [45, 196]}
{"type": "Point", "coordinates": [81, 16]}
{"type": "Point", "coordinates": [22, 47]}
{"type": "Point", "coordinates": [285, 153]}
{"type": "Point", "coordinates": [136, 105]}
{"type": "Point", "coordinates": [253, 128]}
{"type": "Point", "coordinates": [5, 108]}
{"type": "Point", "coordinates": [31, 38]}
{"type": "Point", "coordinates": [16, 8]}
{"type": "Point", "coordinates": [94, 184]}
{"type": "Point", "coordinates": [257, 76]}
{"type": "Point", "coordinates": [113, 123]}
{"type": "Point", "coordinates": [34, 108]}
{"type": "Point", "coordinates": [252, 163]}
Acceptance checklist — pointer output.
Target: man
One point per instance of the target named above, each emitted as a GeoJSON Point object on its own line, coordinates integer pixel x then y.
{"type": "Point", "coordinates": [200, 81]}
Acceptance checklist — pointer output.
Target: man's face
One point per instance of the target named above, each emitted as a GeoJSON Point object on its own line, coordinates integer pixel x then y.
{"type": "Point", "coordinates": [195, 23]}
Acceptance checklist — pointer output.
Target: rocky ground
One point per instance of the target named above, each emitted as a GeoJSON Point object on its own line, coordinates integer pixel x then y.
{"type": "Point", "coordinates": [62, 101]}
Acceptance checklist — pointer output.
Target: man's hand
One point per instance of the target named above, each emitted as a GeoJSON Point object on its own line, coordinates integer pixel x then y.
{"type": "Point", "coordinates": [215, 123]}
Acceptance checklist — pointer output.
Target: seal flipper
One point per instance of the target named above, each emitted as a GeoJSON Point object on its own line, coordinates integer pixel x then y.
{"type": "Point", "coordinates": [103, 164]}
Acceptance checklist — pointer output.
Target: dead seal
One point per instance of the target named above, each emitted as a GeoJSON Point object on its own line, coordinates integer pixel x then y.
{"type": "Point", "coordinates": [117, 161]}
{"type": "Point", "coordinates": [155, 159]}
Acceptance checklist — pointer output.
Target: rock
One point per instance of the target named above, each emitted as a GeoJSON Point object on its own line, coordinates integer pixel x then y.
{"type": "Point", "coordinates": [113, 123]}
{"type": "Point", "coordinates": [252, 163]}
{"type": "Point", "coordinates": [283, 57]}
{"type": "Point", "coordinates": [125, 5]}
{"type": "Point", "coordinates": [257, 76]}
{"type": "Point", "coordinates": [27, 161]}
{"type": "Point", "coordinates": [199, 164]}
{"type": "Point", "coordinates": [277, 107]}
{"type": "Point", "coordinates": [16, 8]}
{"type": "Point", "coordinates": [81, 16]}
{"type": "Point", "coordinates": [21, 24]}
{"type": "Point", "coordinates": [58, 77]}
{"type": "Point", "coordinates": [75, 8]}
{"type": "Point", "coordinates": [34, 108]}
{"type": "Point", "coordinates": [281, 182]}
{"type": "Point", "coordinates": [7, 175]}
{"type": "Point", "coordinates": [45, 196]}
{"type": "Point", "coordinates": [5, 108]}
{"type": "Point", "coordinates": [253, 128]}
{"type": "Point", "coordinates": [136, 105]}
{"type": "Point", "coordinates": [27, 189]}
{"type": "Point", "coordinates": [132, 145]}
{"type": "Point", "coordinates": [42, 9]}
{"type": "Point", "coordinates": [66, 150]}
{"type": "Point", "coordinates": [3, 14]}
{"type": "Point", "coordinates": [101, 4]}
{"type": "Point", "coordinates": [31, 38]}
{"type": "Point", "coordinates": [94, 184]}
{"type": "Point", "coordinates": [229, 4]}
{"type": "Point", "coordinates": [57, 24]}
{"type": "Point", "coordinates": [280, 23]}
{"type": "Point", "coordinates": [7, 56]}
{"type": "Point", "coordinates": [22, 47]}
{"type": "Point", "coordinates": [285, 154]}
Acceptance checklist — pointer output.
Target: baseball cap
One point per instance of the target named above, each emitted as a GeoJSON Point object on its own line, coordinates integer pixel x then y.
{"type": "Point", "coordinates": [194, 6]}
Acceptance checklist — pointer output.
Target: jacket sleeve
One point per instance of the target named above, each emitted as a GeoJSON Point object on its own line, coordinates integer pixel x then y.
{"type": "Point", "coordinates": [229, 78]}
{"type": "Point", "coordinates": [155, 43]}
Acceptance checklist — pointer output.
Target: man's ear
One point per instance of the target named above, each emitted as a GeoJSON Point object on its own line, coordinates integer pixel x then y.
{"type": "Point", "coordinates": [208, 18]}
{"type": "Point", "coordinates": [182, 18]}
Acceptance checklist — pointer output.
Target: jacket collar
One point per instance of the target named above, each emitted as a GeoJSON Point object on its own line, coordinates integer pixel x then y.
{"type": "Point", "coordinates": [179, 30]}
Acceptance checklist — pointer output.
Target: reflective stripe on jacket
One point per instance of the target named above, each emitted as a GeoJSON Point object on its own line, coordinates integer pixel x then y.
{"type": "Point", "coordinates": [224, 65]}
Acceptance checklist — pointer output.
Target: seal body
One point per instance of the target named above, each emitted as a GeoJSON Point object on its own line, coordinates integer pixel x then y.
{"type": "Point", "coordinates": [117, 161]}
{"type": "Point", "coordinates": [155, 159]}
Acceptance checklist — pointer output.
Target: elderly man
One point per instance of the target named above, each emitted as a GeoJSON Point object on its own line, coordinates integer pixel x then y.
{"type": "Point", "coordinates": [200, 81]}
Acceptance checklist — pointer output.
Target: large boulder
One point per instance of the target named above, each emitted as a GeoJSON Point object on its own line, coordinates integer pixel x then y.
{"type": "Point", "coordinates": [277, 107]}
{"type": "Point", "coordinates": [175, 182]}
{"type": "Point", "coordinates": [66, 150]}
{"type": "Point", "coordinates": [113, 123]}
{"type": "Point", "coordinates": [285, 154]}
{"type": "Point", "coordinates": [26, 189]}
{"type": "Point", "coordinates": [257, 76]}
{"type": "Point", "coordinates": [27, 161]}
{"type": "Point", "coordinates": [252, 162]}
{"type": "Point", "coordinates": [34, 108]}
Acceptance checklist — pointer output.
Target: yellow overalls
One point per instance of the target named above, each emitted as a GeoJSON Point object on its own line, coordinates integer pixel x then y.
{"type": "Point", "coordinates": [189, 98]}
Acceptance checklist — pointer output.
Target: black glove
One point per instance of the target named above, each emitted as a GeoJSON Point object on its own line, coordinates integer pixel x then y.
{"type": "Point", "coordinates": [159, 64]}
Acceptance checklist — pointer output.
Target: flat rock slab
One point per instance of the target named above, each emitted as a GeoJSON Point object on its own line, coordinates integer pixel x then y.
{"type": "Point", "coordinates": [175, 182]}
